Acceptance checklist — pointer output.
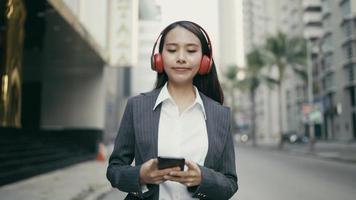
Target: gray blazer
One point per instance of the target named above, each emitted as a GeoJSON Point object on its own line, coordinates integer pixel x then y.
{"type": "Point", "coordinates": [137, 139]}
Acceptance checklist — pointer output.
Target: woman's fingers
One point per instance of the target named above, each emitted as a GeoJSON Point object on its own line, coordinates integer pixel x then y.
{"type": "Point", "coordinates": [188, 181]}
{"type": "Point", "coordinates": [191, 177]}
{"type": "Point", "coordinates": [151, 174]}
{"type": "Point", "coordinates": [192, 165]}
{"type": "Point", "coordinates": [163, 172]}
{"type": "Point", "coordinates": [181, 176]}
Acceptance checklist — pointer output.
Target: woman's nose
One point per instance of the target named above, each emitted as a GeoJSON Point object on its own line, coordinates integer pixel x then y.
{"type": "Point", "coordinates": [181, 57]}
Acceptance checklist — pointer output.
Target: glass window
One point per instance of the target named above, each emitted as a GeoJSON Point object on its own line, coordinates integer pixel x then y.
{"type": "Point", "coordinates": [328, 82]}
{"type": "Point", "coordinates": [326, 46]}
{"type": "Point", "coordinates": [324, 84]}
{"type": "Point", "coordinates": [328, 61]}
{"type": "Point", "coordinates": [350, 70]}
{"type": "Point", "coordinates": [348, 50]}
{"type": "Point", "coordinates": [352, 96]}
{"type": "Point", "coordinates": [327, 22]}
{"type": "Point", "coordinates": [345, 8]}
{"type": "Point", "coordinates": [325, 6]}
{"type": "Point", "coordinates": [347, 27]}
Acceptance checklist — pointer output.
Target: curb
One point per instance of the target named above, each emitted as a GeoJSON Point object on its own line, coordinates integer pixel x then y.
{"type": "Point", "coordinates": [99, 193]}
{"type": "Point", "coordinates": [330, 156]}
{"type": "Point", "coordinates": [325, 155]}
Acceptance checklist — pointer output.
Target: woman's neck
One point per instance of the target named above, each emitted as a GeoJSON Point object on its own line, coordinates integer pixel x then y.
{"type": "Point", "coordinates": [183, 95]}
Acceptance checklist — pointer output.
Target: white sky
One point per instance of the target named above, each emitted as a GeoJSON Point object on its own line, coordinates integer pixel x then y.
{"type": "Point", "coordinates": [203, 12]}
{"type": "Point", "coordinates": [206, 14]}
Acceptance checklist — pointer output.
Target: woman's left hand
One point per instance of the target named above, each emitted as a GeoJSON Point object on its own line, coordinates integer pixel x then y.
{"type": "Point", "coordinates": [191, 177]}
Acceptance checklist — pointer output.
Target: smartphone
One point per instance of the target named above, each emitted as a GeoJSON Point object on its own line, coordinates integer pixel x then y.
{"type": "Point", "coordinates": [168, 162]}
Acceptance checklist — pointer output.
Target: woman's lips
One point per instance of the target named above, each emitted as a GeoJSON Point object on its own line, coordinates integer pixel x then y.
{"type": "Point", "coordinates": [181, 69]}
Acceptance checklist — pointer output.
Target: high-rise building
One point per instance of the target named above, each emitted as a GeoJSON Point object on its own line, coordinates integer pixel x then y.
{"type": "Point", "coordinates": [143, 78]}
{"type": "Point", "coordinates": [232, 55]}
{"type": "Point", "coordinates": [231, 34]}
{"type": "Point", "coordinates": [263, 19]}
{"type": "Point", "coordinates": [338, 48]}
{"type": "Point", "coordinates": [257, 25]}
{"type": "Point", "coordinates": [301, 18]}
{"type": "Point", "coordinates": [329, 29]}
{"type": "Point", "coordinates": [259, 21]}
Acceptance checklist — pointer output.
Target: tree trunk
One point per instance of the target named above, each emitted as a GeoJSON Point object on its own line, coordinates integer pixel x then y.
{"type": "Point", "coordinates": [253, 117]}
{"type": "Point", "coordinates": [280, 117]}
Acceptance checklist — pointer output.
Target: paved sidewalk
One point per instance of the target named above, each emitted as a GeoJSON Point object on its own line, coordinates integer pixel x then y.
{"type": "Point", "coordinates": [83, 181]}
{"type": "Point", "coordinates": [80, 181]}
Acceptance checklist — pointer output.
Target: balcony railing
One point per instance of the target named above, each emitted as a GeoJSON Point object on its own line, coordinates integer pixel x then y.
{"type": "Point", "coordinates": [311, 4]}
{"type": "Point", "coordinates": [312, 17]}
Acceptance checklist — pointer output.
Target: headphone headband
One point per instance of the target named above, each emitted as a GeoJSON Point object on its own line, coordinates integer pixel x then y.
{"type": "Point", "coordinates": [210, 53]}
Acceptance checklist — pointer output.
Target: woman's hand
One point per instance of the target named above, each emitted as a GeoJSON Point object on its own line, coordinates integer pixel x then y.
{"type": "Point", "coordinates": [150, 174]}
{"type": "Point", "coordinates": [191, 177]}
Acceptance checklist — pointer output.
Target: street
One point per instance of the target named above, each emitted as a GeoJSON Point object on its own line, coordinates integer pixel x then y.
{"type": "Point", "coordinates": [273, 175]}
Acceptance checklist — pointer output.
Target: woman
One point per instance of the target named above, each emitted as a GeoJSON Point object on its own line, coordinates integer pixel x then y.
{"type": "Point", "coordinates": [182, 117]}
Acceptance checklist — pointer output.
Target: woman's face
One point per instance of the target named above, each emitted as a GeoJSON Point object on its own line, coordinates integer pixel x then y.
{"type": "Point", "coordinates": [181, 55]}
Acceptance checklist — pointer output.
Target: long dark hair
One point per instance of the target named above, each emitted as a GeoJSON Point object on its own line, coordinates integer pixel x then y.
{"type": "Point", "coordinates": [209, 83]}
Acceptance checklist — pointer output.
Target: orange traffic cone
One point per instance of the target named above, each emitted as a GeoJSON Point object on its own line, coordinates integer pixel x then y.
{"type": "Point", "coordinates": [101, 156]}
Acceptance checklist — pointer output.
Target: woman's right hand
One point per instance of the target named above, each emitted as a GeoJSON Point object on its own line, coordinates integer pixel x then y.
{"type": "Point", "coordinates": [150, 174]}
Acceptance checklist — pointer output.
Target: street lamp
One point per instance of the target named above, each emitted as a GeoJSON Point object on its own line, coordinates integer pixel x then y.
{"type": "Point", "coordinates": [310, 93]}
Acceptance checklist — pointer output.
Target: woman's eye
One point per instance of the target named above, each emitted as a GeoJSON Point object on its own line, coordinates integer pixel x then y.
{"type": "Point", "coordinates": [192, 51]}
{"type": "Point", "coordinates": [171, 50]}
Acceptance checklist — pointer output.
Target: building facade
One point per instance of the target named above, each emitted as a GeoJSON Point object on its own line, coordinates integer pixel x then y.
{"type": "Point", "coordinates": [338, 69]}
{"type": "Point", "coordinates": [329, 29]}
{"type": "Point", "coordinates": [263, 19]}
{"type": "Point", "coordinates": [63, 80]}
{"type": "Point", "coordinates": [300, 18]}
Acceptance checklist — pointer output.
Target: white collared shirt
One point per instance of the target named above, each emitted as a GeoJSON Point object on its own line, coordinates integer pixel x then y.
{"type": "Point", "coordinates": [181, 135]}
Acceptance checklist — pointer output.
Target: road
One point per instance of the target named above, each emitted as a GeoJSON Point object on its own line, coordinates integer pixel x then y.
{"type": "Point", "coordinates": [274, 175]}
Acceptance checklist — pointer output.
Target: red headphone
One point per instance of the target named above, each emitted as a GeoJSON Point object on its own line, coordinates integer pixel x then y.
{"type": "Point", "coordinates": [205, 63]}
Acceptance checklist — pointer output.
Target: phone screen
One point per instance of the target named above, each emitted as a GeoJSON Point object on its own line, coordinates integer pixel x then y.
{"type": "Point", "coordinates": [168, 162]}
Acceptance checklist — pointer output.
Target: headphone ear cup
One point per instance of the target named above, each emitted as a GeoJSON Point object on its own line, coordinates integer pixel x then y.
{"type": "Point", "coordinates": [158, 63]}
{"type": "Point", "coordinates": [205, 65]}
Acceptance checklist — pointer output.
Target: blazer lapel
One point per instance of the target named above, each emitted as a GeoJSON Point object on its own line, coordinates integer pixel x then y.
{"type": "Point", "coordinates": [148, 125]}
{"type": "Point", "coordinates": [210, 127]}
{"type": "Point", "coordinates": [155, 121]}
{"type": "Point", "coordinates": [216, 133]}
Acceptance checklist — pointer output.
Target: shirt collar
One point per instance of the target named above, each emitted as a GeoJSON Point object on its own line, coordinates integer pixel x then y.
{"type": "Point", "coordinates": [164, 95]}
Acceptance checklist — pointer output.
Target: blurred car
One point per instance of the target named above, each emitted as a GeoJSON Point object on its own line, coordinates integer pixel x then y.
{"type": "Point", "coordinates": [293, 137]}
{"type": "Point", "coordinates": [243, 138]}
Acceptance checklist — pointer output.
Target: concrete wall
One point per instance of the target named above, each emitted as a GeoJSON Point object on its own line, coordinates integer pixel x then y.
{"type": "Point", "coordinates": [72, 79]}
{"type": "Point", "coordinates": [93, 16]}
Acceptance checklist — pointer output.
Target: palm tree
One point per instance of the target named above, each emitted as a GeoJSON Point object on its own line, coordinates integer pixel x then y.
{"type": "Point", "coordinates": [283, 52]}
{"type": "Point", "coordinates": [251, 81]}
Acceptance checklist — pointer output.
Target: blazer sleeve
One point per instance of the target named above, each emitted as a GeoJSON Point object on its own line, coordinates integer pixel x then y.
{"type": "Point", "coordinates": [220, 183]}
{"type": "Point", "coordinates": [120, 173]}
